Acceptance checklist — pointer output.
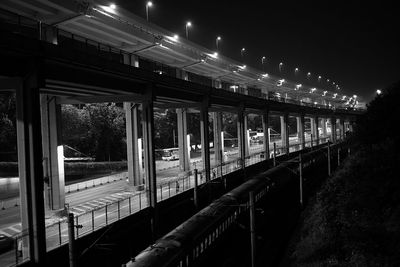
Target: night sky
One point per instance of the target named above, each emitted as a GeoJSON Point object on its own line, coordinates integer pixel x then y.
{"type": "Point", "coordinates": [352, 43]}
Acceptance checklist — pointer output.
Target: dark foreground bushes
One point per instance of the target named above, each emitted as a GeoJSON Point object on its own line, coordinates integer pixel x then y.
{"type": "Point", "coordinates": [355, 218]}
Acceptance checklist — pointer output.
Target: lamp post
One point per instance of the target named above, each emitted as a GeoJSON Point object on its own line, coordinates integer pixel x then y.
{"type": "Point", "coordinates": [262, 62]}
{"type": "Point", "coordinates": [296, 70]}
{"type": "Point", "coordinates": [148, 5]}
{"type": "Point", "coordinates": [319, 78]}
{"type": "Point", "coordinates": [187, 26]}
{"type": "Point", "coordinates": [242, 52]}
{"type": "Point", "coordinates": [217, 41]}
{"type": "Point", "coordinates": [280, 66]}
{"type": "Point", "coordinates": [308, 75]}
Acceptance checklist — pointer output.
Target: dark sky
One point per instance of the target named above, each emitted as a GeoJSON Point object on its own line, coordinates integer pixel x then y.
{"type": "Point", "coordinates": [352, 43]}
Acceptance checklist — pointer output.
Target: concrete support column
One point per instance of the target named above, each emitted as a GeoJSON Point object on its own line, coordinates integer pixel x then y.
{"type": "Point", "coordinates": [265, 126]}
{"type": "Point", "coordinates": [149, 157]}
{"type": "Point", "coordinates": [184, 155]}
{"type": "Point", "coordinates": [241, 134]}
{"type": "Point", "coordinates": [205, 142]}
{"type": "Point", "coordinates": [218, 138]}
{"type": "Point", "coordinates": [216, 84]}
{"type": "Point", "coordinates": [333, 129]}
{"type": "Point", "coordinates": [131, 60]}
{"type": "Point", "coordinates": [323, 127]}
{"type": "Point", "coordinates": [246, 137]}
{"type": "Point", "coordinates": [285, 132]}
{"type": "Point", "coordinates": [30, 169]}
{"type": "Point", "coordinates": [302, 139]}
{"type": "Point", "coordinates": [314, 129]}
{"type": "Point", "coordinates": [133, 145]}
{"type": "Point", "coordinates": [53, 153]}
{"type": "Point", "coordinates": [298, 126]}
{"type": "Point", "coordinates": [343, 128]}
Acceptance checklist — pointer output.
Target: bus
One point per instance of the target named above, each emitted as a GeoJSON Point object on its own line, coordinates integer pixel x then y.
{"type": "Point", "coordinates": [169, 154]}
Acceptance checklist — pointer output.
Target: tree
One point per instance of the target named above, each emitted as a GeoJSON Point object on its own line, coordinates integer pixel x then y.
{"type": "Point", "coordinates": [8, 132]}
{"type": "Point", "coordinates": [96, 129]}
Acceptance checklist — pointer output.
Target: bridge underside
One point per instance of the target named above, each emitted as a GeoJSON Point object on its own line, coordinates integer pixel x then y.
{"type": "Point", "coordinates": [45, 76]}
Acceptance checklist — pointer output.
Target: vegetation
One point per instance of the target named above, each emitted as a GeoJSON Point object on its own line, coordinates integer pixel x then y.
{"type": "Point", "coordinates": [355, 218]}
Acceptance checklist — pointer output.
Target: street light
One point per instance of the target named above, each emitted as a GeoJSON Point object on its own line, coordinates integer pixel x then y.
{"type": "Point", "coordinates": [112, 6]}
{"type": "Point", "coordinates": [217, 40]}
{"type": "Point", "coordinates": [378, 92]}
{"type": "Point", "coordinates": [308, 74]}
{"type": "Point", "coordinates": [262, 62]}
{"type": "Point", "coordinates": [280, 66]}
{"type": "Point", "coordinates": [242, 52]}
{"type": "Point", "coordinates": [319, 78]}
{"type": "Point", "coordinates": [296, 70]}
{"type": "Point", "coordinates": [148, 4]}
{"type": "Point", "coordinates": [187, 25]}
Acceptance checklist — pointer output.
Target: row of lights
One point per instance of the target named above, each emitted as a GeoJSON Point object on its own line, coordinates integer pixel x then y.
{"type": "Point", "coordinates": [188, 25]}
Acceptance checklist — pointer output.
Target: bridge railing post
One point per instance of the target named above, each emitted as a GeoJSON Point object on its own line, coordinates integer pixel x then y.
{"type": "Point", "coordinates": [301, 179]}
{"type": "Point", "coordinates": [195, 193]}
{"type": "Point", "coordinates": [329, 158]}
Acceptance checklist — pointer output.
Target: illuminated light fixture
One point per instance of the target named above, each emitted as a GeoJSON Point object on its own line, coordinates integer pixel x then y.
{"type": "Point", "coordinates": [315, 103]}
{"type": "Point", "coordinates": [235, 71]}
{"type": "Point", "coordinates": [354, 96]}
{"type": "Point", "coordinates": [378, 92]}
{"type": "Point", "coordinates": [258, 79]}
{"type": "Point", "coordinates": [174, 38]}
{"type": "Point", "coordinates": [213, 55]}
{"type": "Point", "coordinates": [334, 95]}
{"type": "Point", "coordinates": [324, 93]}
{"type": "Point", "coordinates": [203, 60]}
{"type": "Point", "coordinates": [242, 67]}
{"type": "Point", "coordinates": [298, 86]}
{"type": "Point", "coordinates": [327, 80]}
{"type": "Point", "coordinates": [149, 4]}
{"type": "Point", "coordinates": [312, 90]}
{"type": "Point", "coordinates": [217, 41]}
{"type": "Point", "coordinates": [309, 74]}
{"type": "Point", "coordinates": [112, 6]}
{"type": "Point", "coordinates": [265, 75]}
{"type": "Point", "coordinates": [280, 82]}
{"type": "Point", "coordinates": [187, 26]}
{"type": "Point", "coordinates": [296, 69]}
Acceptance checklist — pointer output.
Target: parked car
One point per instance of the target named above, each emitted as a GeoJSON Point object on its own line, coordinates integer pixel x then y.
{"type": "Point", "coordinates": [6, 243]}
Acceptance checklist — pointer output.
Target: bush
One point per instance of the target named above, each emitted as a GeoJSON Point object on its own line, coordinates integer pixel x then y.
{"type": "Point", "coordinates": [355, 220]}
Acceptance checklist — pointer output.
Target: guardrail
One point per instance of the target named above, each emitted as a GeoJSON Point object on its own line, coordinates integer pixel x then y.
{"type": "Point", "coordinates": [186, 244]}
{"type": "Point", "coordinates": [106, 214]}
